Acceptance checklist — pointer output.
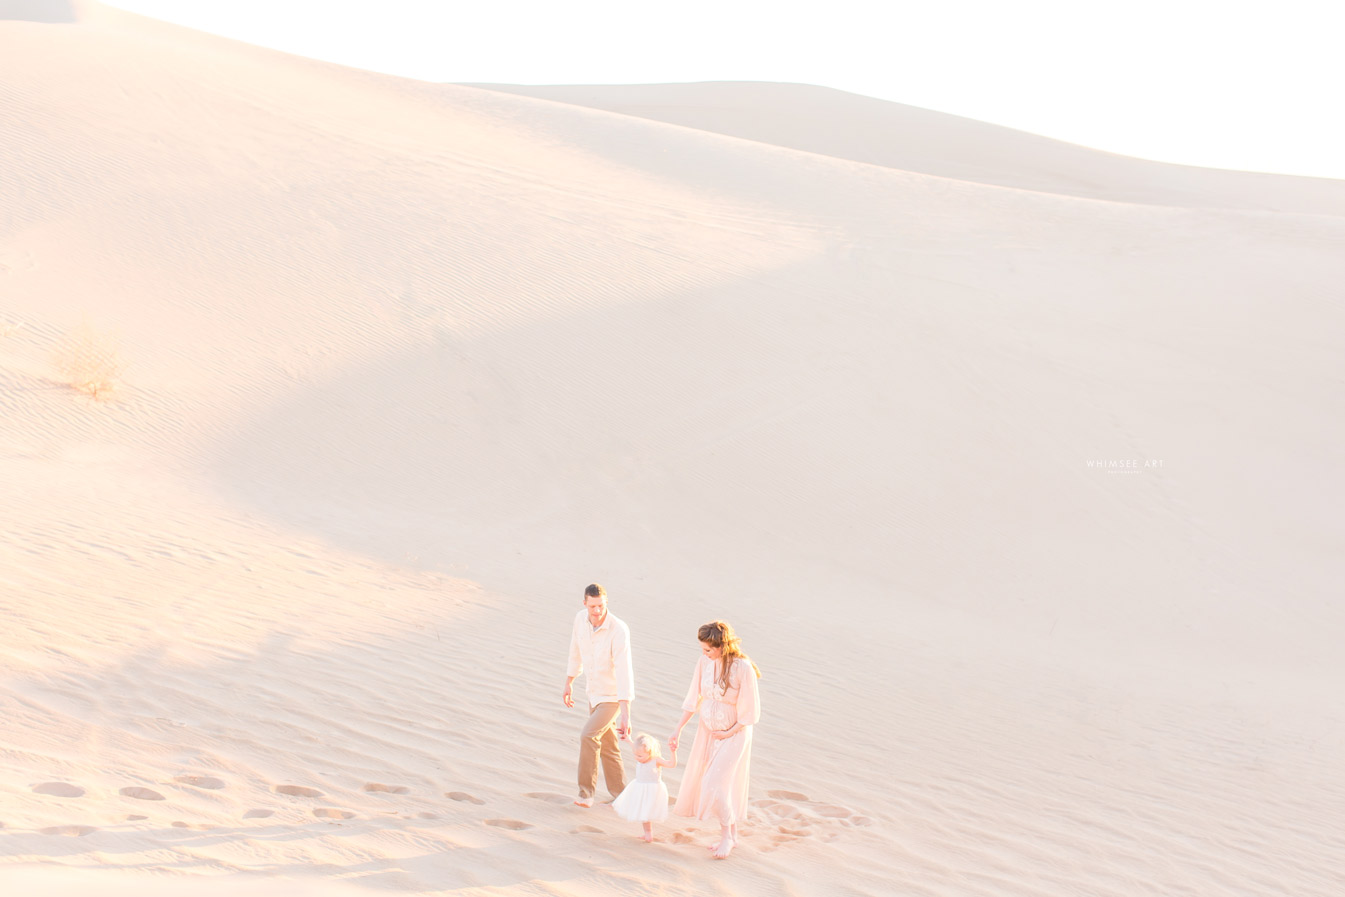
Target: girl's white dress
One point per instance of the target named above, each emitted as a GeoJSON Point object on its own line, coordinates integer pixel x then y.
{"type": "Point", "coordinates": [646, 798]}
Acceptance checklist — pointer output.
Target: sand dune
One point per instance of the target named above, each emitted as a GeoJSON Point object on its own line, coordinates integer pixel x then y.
{"type": "Point", "coordinates": [48, 11]}
{"type": "Point", "coordinates": [407, 365]}
{"type": "Point", "coordinates": [863, 129]}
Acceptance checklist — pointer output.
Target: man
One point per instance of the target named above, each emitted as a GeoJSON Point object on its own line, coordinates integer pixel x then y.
{"type": "Point", "coordinates": [600, 648]}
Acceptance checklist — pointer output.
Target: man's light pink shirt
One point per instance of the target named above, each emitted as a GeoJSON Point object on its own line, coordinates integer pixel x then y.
{"type": "Point", "coordinates": [604, 655]}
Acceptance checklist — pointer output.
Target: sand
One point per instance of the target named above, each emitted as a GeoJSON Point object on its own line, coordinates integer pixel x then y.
{"type": "Point", "coordinates": [1018, 484]}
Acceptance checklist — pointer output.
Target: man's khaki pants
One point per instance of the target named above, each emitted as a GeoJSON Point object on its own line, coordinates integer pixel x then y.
{"type": "Point", "coordinates": [599, 736]}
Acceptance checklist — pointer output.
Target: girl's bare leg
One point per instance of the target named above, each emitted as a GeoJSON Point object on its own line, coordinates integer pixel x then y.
{"type": "Point", "coordinates": [648, 832]}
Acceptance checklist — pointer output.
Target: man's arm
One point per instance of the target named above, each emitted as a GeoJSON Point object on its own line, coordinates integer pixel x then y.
{"type": "Point", "coordinates": [623, 666]}
{"type": "Point", "coordinates": [573, 668]}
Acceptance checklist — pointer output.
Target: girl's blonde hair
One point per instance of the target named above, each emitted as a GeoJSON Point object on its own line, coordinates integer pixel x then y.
{"type": "Point", "coordinates": [719, 634]}
{"type": "Point", "coordinates": [650, 744]}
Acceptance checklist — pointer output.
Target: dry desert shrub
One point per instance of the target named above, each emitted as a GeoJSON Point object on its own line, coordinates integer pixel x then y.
{"type": "Point", "coordinates": [90, 361]}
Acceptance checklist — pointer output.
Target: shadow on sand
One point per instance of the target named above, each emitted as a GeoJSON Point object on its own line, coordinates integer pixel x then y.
{"type": "Point", "coordinates": [51, 12]}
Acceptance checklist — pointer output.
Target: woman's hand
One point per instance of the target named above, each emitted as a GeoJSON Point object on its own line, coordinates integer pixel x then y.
{"type": "Point", "coordinates": [721, 734]}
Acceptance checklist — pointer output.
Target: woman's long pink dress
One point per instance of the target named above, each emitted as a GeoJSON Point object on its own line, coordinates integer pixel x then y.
{"type": "Point", "coordinates": [715, 782]}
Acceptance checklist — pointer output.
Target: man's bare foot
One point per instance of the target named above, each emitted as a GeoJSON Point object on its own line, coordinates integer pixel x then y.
{"type": "Point", "coordinates": [585, 802]}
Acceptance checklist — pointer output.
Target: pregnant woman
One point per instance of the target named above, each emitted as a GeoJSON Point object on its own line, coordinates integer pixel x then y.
{"type": "Point", "coordinates": [724, 690]}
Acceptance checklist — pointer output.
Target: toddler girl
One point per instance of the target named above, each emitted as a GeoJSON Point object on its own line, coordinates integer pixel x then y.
{"type": "Point", "coordinates": [646, 799]}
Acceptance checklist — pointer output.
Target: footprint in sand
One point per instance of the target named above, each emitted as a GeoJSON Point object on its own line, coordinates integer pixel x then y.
{"type": "Point", "coordinates": [136, 817]}
{"type": "Point", "coordinates": [386, 789]}
{"type": "Point", "coordinates": [332, 813]}
{"type": "Point", "coordinates": [59, 789]}
{"type": "Point", "coordinates": [427, 816]}
{"type": "Point", "coordinates": [139, 793]}
{"type": "Point", "coordinates": [209, 782]}
{"type": "Point", "coordinates": [777, 810]}
{"type": "Point", "coordinates": [509, 823]}
{"type": "Point", "coordinates": [70, 831]}
{"type": "Point", "coordinates": [198, 827]}
{"type": "Point", "coordinates": [463, 795]}
{"type": "Point", "coordinates": [816, 820]}
{"type": "Point", "coordinates": [297, 791]}
{"type": "Point", "coordinates": [258, 814]}
{"type": "Point", "coordinates": [681, 838]}
{"type": "Point", "coordinates": [550, 797]}
{"type": "Point", "coordinates": [586, 829]}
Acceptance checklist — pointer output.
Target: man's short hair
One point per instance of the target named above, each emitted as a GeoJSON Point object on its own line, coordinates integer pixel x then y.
{"type": "Point", "coordinates": [594, 591]}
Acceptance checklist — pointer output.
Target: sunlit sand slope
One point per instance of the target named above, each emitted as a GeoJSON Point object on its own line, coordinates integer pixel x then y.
{"type": "Point", "coordinates": [1024, 500]}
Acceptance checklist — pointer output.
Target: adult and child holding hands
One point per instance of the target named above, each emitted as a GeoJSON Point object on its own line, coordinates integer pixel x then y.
{"type": "Point", "coordinates": [723, 692]}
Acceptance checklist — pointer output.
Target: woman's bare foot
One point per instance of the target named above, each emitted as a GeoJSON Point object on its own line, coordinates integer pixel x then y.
{"type": "Point", "coordinates": [728, 836]}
